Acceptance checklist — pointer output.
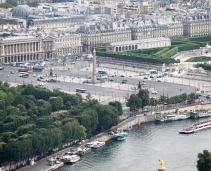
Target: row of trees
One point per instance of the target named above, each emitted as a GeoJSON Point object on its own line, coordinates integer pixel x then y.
{"type": "Point", "coordinates": [142, 99]}
{"type": "Point", "coordinates": [205, 66]}
{"type": "Point", "coordinates": [30, 124]}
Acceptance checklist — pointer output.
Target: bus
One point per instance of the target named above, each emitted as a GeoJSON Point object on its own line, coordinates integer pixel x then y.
{"type": "Point", "coordinates": [79, 90]}
{"type": "Point", "coordinates": [36, 69]}
{"type": "Point", "coordinates": [101, 72]}
{"type": "Point", "coordinates": [25, 70]}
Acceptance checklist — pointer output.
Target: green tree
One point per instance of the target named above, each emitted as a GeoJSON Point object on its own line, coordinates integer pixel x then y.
{"type": "Point", "coordinates": [184, 97]}
{"type": "Point", "coordinates": [11, 110]}
{"type": "Point", "coordinates": [177, 99]}
{"type": "Point", "coordinates": [134, 102]}
{"type": "Point", "coordinates": [118, 106]}
{"type": "Point", "coordinates": [14, 3]}
{"type": "Point", "coordinates": [2, 104]}
{"type": "Point", "coordinates": [204, 161]}
{"type": "Point", "coordinates": [143, 94]}
{"type": "Point", "coordinates": [56, 103]}
{"type": "Point", "coordinates": [21, 108]}
{"type": "Point", "coordinates": [162, 99]}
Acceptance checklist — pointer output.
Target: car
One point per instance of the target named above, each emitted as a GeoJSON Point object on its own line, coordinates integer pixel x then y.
{"type": "Point", "coordinates": [145, 110]}
{"type": "Point", "coordinates": [169, 105]}
{"type": "Point", "coordinates": [12, 72]}
{"type": "Point", "coordinates": [145, 78]}
{"type": "Point", "coordinates": [123, 82]}
{"type": "Point", "coordinates": [122, 76]}
{"type": "Point", "coordinates": [158, 80]}
{"type": "Point", "coordinates": [151, 76]}
{"type": "Point", "coordinates": [111, 80]}
{"type": "Point", "coordinates": [72, 62]}
{"type": "Point", "coordinates": [165, 104]}
{"type": "Point", "coordinates": [41, 84]}
{"type": "Point", "coordinates": [143, 83]}
{"type": "Point", "coordinates": [154, 92]}
{"type": "Point", "coordinates": [34, 75]}
{"type": "Point", "coordinates": [130, 76]}
{"type": "Point", "coordinates": [112, 75]}
{"type": "Point", "coordinates": [111, 133]}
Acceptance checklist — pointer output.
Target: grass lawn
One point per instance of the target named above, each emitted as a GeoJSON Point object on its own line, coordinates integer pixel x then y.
{"type": "Point", "coordinates": [199, 59]}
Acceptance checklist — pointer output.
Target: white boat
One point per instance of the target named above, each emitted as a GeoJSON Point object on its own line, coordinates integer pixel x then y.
{"type": "Point", "coordinates": [204, 113]}
{"type": "Point", "coordinates": [69, 159]}
{"type": "Point", "coordinates": [174, 117]}
{"type": "Point", "coordinates": [196, 127]}
{"type": "Point", "coordinates": [90, 144]}
{"type": "Point", "coordinates": [72, 159]}
{"type": "Point", "coordinates": [159, 119]}
{"type": "Point", "coordinates": [98, 144]}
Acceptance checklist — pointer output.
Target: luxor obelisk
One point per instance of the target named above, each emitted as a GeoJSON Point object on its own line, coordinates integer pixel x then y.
{"type": "Point", "coordinates": [94, 67]}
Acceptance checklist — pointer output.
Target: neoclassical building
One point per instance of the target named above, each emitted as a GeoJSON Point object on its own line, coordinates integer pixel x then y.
{"type": "Point", "coordinates": [138, 44]}
{"type": "Point", "coordinates": [24, 48]}
{"type": "Point", "coordinates": [171, 30]}
{"type": "Point", "coordinates": [197, 26]}
{"type": "Point", "coordinates": [98, 38]}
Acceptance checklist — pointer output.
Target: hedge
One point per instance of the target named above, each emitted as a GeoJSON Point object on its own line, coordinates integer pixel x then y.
{"type": "Point", "coordinates": [170, 53]}
{"type": "Point", "coordinates": [205, 66]}
{"type": "Point", "coordinates": [149, 59]}
{"type": "Point", "coordinates": [161, 51]}
{"type": "Point", "coordinates": [158, 55]}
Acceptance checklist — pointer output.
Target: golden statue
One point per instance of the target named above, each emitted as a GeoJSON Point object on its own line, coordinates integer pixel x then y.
{"type": "Point", "coordinates": [161, 166]}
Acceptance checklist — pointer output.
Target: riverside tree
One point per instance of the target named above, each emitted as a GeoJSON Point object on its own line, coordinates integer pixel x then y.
{"type": "Point", "coordinates": [143, 94]}
{"type": "Point", "coordinates": [204, 161]}
{"type": "Point", "coordinates": [134, 102]}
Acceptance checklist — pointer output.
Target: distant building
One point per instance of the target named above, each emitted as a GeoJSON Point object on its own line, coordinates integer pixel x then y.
{"type": "Point", "coordinates": [2, 1]}
{"type": "Point", "coordinates": [24, 48]}
{"type": "Point", "coordinates": [138, 44]}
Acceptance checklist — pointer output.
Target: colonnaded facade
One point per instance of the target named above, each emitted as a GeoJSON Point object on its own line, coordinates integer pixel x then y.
{"type": "Point", "coordinates": [138, 44]}
{"type": "Point", "coordinates": [24, 48]}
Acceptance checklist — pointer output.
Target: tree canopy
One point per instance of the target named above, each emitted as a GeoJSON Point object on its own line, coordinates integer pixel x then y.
{"type": "Point", "coordinates": [204, 161]}
{"type": "Point", "coordinates": [30, 124]}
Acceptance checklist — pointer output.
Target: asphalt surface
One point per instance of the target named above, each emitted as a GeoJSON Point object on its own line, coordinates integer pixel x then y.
{"type": "Point", "coordinates": [166, 88]}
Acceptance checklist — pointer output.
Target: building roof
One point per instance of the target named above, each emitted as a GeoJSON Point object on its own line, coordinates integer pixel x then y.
{"type": "Point", "coordinates": [8, 21]}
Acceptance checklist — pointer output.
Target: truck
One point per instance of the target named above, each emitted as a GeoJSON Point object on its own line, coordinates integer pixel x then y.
{"type": "Point", "coordinates": [191, 101]}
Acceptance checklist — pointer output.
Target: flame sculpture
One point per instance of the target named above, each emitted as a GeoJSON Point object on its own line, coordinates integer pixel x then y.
{"type": "Point", "coordinates": [161, 166]}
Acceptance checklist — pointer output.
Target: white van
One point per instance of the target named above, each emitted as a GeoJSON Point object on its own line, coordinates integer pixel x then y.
{"type": "Point", "coordinates": [154, 92]}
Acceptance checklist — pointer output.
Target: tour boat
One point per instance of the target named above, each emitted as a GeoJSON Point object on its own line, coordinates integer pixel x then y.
{"type": "Point", "coordinates": [204, 113]}
{"type": "Point", "coordinates": [98, 144]}
{"type": "Point", "coordinates": [159, 119]}
{"type": "Point", "coordinates": [175, 117]}
{"type": "Point", "coordinates": [83, 150]}
{"type": "Point", "coordinates": [196, 127]}
{"type": "Point", "coordinates": [121, 136]}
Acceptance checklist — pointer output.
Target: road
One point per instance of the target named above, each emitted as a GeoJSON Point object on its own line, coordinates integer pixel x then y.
{"type": "Point", "coordinates": [106, 89]}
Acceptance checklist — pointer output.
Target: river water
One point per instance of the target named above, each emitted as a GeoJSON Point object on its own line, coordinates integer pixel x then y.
{"type": "Point", "coordinates": [145, 144]}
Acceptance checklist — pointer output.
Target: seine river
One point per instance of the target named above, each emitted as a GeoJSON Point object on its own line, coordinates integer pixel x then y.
{"type": "Point", "coordinates": [144, 146]}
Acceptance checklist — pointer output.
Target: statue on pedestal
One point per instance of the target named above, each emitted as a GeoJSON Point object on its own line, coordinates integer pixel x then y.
{"type": "Point", "coordinates": [51, 73]}
{"type": "Point", "coordinates": [161, 165]}
{"type": "Point", "coordinates": [139, 85]}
